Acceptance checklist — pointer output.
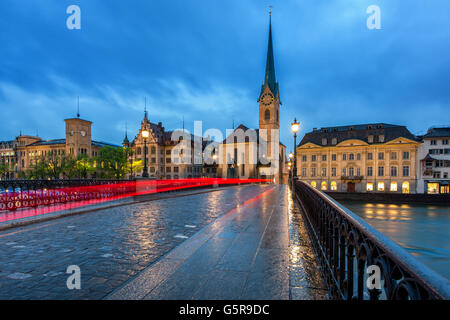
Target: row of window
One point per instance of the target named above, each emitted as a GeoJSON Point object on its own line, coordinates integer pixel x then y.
{"type": "Point", "coordinates": [177, 169]}
{"type": "Point", "coordinates": [351, 172]}
{"type": "Point", "coordinates": [352, 156]}
{"type": "Point", "coordinates": [168, 160]}
{"type": "Point", "coordinates": [370, 139]}
{"type": "Point", "coordinates": [439, 151]}
{"type": "Point", "coordinates": [434, 142]}
{"type": "Point", "coordinates": [393, 187]}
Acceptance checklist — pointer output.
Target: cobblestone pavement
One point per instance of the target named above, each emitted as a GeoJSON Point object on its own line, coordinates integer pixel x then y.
{"type": "Point", "coordinates": [110, 246]}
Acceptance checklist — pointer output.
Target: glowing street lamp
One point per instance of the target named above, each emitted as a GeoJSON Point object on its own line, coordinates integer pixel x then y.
{"type": "Point", "coordinates": [295, 126]}
{"type": "Point", "coordinates": [145, 135]}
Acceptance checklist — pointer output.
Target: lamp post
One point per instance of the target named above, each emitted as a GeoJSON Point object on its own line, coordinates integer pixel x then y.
{"type": "Point", "coordinates": [295, 126]}
{"type": "Point", "coordinates": [215, 164]}
{"type": "Point", "coordinates": [291, 177]}
{"type": "Point", "coordinates": [145, 134]}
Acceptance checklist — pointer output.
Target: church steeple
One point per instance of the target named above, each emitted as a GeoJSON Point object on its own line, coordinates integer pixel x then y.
{"type": "Point", "coordinates": [126, 142]}
{"type": "Point", "coordinates": [269, 78]}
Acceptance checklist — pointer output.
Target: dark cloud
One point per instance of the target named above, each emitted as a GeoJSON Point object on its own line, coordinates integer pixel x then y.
{"type": "Point", "coordinates": [204, 60]}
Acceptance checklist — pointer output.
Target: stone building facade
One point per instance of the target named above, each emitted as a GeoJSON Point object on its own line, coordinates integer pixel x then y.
{"type": "Point", "coordinates": [433, 170]}
{"type": "Point", "coordinates": [359, 158]}
{"type": "Point", "coordinates": [170, 154]}
{"type": "Point", "coordinates": [24, 151]}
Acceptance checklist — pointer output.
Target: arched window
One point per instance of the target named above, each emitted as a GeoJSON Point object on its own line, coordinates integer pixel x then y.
{"type": "Point", "coordinates": [267, 115]}
{"type": "Point", "coordinates": [333, 185]}
{"type": "Point", "coordinates": [393, 187]}
{"type": "Point", "coordinates": [138, 151]}
{"type": "Point", "coordinates": [313, 184]}
{"type": "Point", "coordinates": [323, 186]}
{"type": "Point", "coordinates": [405, 187]}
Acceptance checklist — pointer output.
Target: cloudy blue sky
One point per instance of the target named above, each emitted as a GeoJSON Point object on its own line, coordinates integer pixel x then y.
{"type": "Point", "coordinates": [205, 59]}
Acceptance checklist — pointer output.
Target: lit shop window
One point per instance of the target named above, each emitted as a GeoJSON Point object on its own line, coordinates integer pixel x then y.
{"type": "Point", "coordinates": [313, 184]}
{"type": "Point", "coordinates": [333, 185]}
{"type": "Point", "coordinates": [433, 188]}
{"type": "Point", "coordinates": [323, 186]}
{"type": "Point", "coordinates": [369, 186]}
{"type": "Point", "coordinates": [393, 186]}
{"type": "Point", "coordinates": [380, 186]}
{"type": "Point", "coordinates": [405, 187]}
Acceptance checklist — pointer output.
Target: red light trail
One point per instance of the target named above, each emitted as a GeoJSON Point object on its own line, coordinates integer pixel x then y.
{"type": "Point", "coordinates": [18, 205]}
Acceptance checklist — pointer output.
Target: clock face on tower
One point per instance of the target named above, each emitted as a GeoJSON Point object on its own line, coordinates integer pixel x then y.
{"type": "Point", "coordinates": [267, 98]}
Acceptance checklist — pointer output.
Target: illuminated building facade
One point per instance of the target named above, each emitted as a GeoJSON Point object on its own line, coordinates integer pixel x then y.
{"type": "Point", "coordinates": [20, 154]}
{"type": "Point", "coordinates": [359, 158]}
{"type": "Point", "coordinates": [258, 153]}
{"type": "Point", "coordinates": [433, 170]}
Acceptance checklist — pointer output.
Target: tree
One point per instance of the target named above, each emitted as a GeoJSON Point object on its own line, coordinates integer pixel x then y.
{"type": "Point", "coordinates": [111, 163]}
{"type": "Point", "coordinates": [3, 169]}
{"type": "Point", "coordinates": [132, 165]}
{"type": "Point", "coordinates": [38, 170]}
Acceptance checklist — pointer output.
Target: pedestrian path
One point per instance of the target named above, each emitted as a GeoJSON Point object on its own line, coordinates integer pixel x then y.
{"type": "Point", "coordinates": [258, 250]}
{"type": "Point", "coordinates": [23, 217]}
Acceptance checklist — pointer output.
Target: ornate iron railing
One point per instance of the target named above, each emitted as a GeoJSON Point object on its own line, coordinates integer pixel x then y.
{"type": "Point", "coordinates": [17, 194]}
{"type": "Point", "coordinates": [346, 246]}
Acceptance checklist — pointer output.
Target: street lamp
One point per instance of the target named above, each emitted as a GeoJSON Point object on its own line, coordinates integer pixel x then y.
{"type": "Point", "coordinates": [295, 126]}
{"type": "Point", "coordinates": [215, 165]}
{"type": "Point", "coordinates": [145, 135]}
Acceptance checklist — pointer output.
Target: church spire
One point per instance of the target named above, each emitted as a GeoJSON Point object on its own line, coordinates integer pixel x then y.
{"type": "Point", "coordinates": [269, 79]}
{"type": "Point", "coordinates": [145, 110]}
{"type": "Point", "coordinates": [126, 142]}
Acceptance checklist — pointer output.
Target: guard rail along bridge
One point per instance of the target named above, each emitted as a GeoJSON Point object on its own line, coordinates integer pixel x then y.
{"type": "Point", "coordinates": [346, 245]}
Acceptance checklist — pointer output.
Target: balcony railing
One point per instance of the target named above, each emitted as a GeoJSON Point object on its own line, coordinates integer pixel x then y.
{"type": "Point", "coordinates": [357, 178]}
{"type": "Point", "coordinates": [346, 246]}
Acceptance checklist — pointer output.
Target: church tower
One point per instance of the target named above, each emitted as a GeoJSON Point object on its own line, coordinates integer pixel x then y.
{"type": "Point", "coordinates": [269, 98]}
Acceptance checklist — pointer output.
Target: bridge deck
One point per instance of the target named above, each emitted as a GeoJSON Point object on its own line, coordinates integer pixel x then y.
{"type": "Point", "coordinates": [259, 250]}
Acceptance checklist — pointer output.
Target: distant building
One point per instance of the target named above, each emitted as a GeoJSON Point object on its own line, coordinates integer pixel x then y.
{"type": "Point", "coordinates": [24, 151]}
{"type": "Point", "coordinates": [243, 153]}
{"type": "Point", "coordinates": [167, 156]}
{"type": "Point", "coordinates": [433, 171]}
{"type": "Point", "coordinates": [375, 157]}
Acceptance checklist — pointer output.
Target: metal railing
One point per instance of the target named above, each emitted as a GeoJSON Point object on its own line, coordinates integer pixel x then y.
{"type": "Point", "coordinates": [346, 246]}
{"type": "Point", "coordinates": [17, 194]}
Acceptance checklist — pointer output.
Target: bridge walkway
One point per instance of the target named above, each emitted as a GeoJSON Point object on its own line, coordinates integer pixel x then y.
{"type": "Point", "coordinates": [257, 250]}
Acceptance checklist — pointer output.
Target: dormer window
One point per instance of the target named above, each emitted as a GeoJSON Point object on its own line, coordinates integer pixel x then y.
{"type": "Point", "coordinates": [370, 139]}
{"type": "Point", "coordinates": [369, 126]}
{"type": "Point", "coordinates": [325, 130]}
{"type": "Point", "coordinates": [334, 141]}
{"type": "Point", "coordinates": [324, 141]}
{"type": "Point", "coordinates": [351, 128]}
{"type": "Point", "coordinates": [379, 126]}
{"type": "Point", "coordinates": [381, 138]}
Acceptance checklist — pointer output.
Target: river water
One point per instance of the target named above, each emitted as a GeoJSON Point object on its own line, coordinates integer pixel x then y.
{"type": "Point", "coordinates": [423, 230]}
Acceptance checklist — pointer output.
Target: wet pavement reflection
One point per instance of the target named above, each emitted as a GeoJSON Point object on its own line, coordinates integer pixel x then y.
{"type": "Point", "coordinates": [110, 246]}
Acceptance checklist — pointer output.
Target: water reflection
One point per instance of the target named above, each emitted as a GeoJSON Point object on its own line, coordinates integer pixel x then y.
{"type": "Point", "coordinates": [423, 230]}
